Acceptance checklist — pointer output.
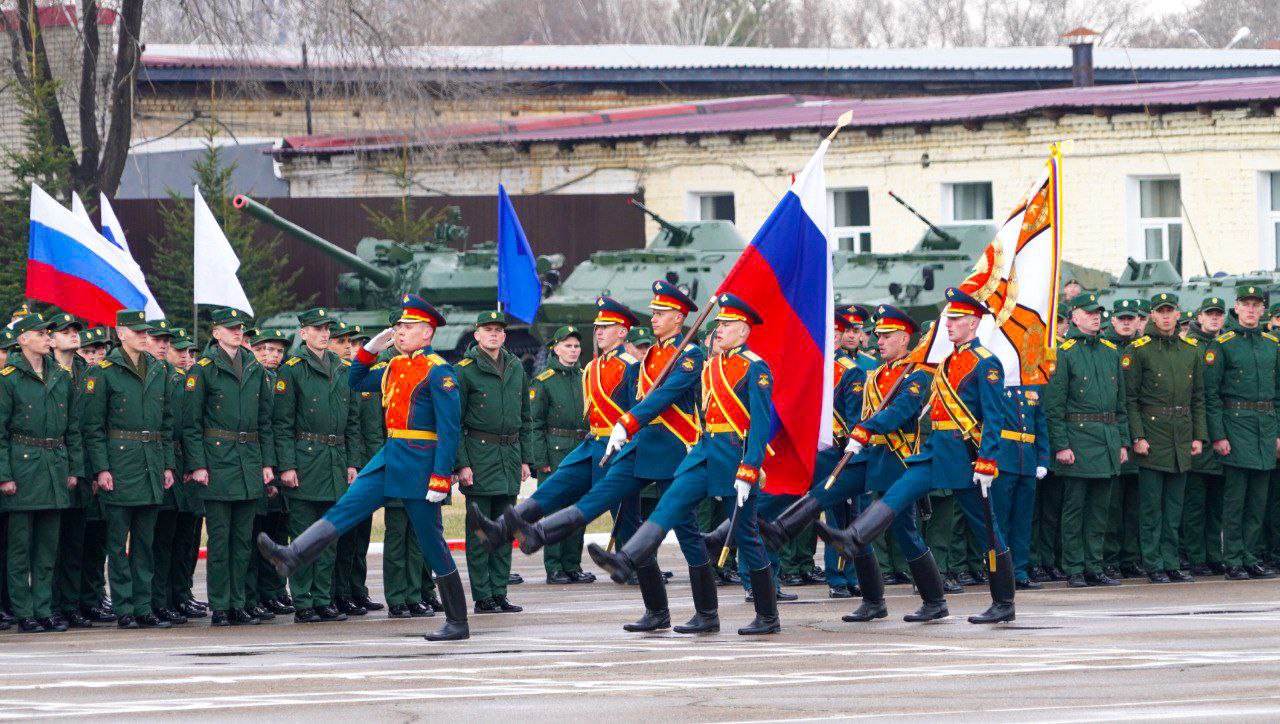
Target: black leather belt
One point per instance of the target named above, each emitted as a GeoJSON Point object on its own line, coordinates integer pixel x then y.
{"type": "Point", "coordinates": [48, 443]}
{"type": "Point", "coordinates": [230, 436]}
{"type": "Point", "coordinates": [1174, 411]}
{"type": "Point", "coordinates": [492, 439]}
{"type": "Point", "coordinates": [135, 435]}
{"type": "Point", "coordinates": [331, 440]}
{"type": "Point", "coordinates": [1261, 406]}
{"type": "Point", "coordinates": [566, 432]}
{"type": "Point", "coordinates": [1107, 417]}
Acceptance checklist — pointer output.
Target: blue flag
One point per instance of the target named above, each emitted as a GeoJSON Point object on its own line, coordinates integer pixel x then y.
{"type": "Point", "coordinates": [519, 289]}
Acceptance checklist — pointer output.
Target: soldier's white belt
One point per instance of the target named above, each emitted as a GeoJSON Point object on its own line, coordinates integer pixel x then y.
{"type": "Point", "coordinates": [412, 434]}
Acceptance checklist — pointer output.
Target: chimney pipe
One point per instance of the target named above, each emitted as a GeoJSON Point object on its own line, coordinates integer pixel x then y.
{"type": "Point", "coordinates": [1081, 42]}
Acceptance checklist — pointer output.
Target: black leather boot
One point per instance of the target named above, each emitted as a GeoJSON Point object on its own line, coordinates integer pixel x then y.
{"type": "Point", "coordinates": [790, 522]}
{"type": "Point", "coordinates": [1002, 588]}
{"type": "Point", "coordinates": [639, 549]}
{"type": "Point", "coordinates": [706, 602]}
{"type": "Point", "coordinates": [551, 529]}
{"type": "Point", "coordinates": [455, 610]}
{"type": "Point", "coordinates": [868, 526]}
{"type": "Point", "coordinates": [304, 549]}
{"type": "Point", "coordinates": [716, 539]}
{"type": "Point", "coordinates": [929, 583]}
{"type": "Point", "coordinates": [873, 606]}
{"type": "Point", "coordinates": [653, 589]}
{"type": "Point", "coordinates": [766, 603]}
{"type": "Point", "coordinates": [497, 533]}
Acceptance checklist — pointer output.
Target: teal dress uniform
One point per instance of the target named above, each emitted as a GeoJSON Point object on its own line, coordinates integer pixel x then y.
{"type": "Point", "coordinates": [1021, 457]}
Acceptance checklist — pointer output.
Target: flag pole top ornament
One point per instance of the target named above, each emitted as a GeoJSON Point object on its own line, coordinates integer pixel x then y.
{"type": "Point", "coordinates": [845, 119]}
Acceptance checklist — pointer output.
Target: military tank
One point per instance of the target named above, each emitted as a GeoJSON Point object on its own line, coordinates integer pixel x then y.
{"type": "Point", "coordinates": [461, 283]}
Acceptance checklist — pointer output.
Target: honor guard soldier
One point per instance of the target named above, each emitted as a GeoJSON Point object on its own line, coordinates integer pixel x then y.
{"type": "Point", "coordinates": [420, 396]}
{"type": "Point", "coordinates": [1202, 509]}
{"type": "Point", "coordinates": [1164, 389]}
{"type": "Point", "coordinates": [69, 579]}
{"type": "Point", "coordinates": [725, 463]}
{"type": "Point", "coordinates": [40, 460]}
{"type": "Point", "coordinates": [128, 431]}
{"type": "Point", "coordinates": [315, 423]}
{"type": "Point", "coordinates": [967, 412]}
{"type": "Point", "coordinates": [558, 423]}
{"type": "Point", "coordinates": [1089, 438]}
{"type": "Point", "coordinates": [1241, 386]}
{"type": "Point", "coordinates": [664, 426]}
{"type": "Point", "coordinates": [228, 447]}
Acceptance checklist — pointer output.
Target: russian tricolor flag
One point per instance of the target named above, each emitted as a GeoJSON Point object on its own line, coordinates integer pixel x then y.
{"type": "Point", "coordinates": [785, 274]}
{"type": "Point", "coordinates": [71, 265]}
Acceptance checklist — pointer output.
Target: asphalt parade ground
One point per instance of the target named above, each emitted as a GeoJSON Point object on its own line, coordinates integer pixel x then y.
{"type": "Point", "coordinates": [1139, 651]}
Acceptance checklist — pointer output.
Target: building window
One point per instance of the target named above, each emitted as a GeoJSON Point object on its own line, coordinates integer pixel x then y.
{"type": "Point", "coordinates": [970, 202]}
{"type": "Point", "coordinates": [851, 219]}
{"type": "Point", "coordinates": [1271, 215]}
{"type": "Point", "coordinates": [712, 207]}
{"type": "Point", "coordinates": [1160, 219]}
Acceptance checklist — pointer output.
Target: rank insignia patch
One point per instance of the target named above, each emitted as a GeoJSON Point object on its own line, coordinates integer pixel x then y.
{"type": "Point", "coordinates": [1125, 361]}
{"type": "Point", "coordinates": [993, 376]}
{"type": "Point", "coordinates": [687, 365]}
{"type": "Point", "coordinates": [280, 387]}
{"type": "Point", "coordinates": [191, 383]}
{"type": "Point", "coordinates": [448, 383]}
{"type": "Point", "coordinates": [763, 381]}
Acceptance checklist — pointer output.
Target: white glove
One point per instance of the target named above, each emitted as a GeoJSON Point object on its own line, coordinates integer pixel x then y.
{"type": "Point", "coordinates": [853, 447]}
{"type": "Point", "coordinates": [380, 341]}
{"type": "Point", "coordinates": [1041, 472]}
{"type": "Point", "coordinates": [983, 481]}
{"type": "Point", "coordinates": [436, 496]}
{"type": "Point", "coordinates": [743, 489]}
{"type": "Point", "coordinates": [617, 438]}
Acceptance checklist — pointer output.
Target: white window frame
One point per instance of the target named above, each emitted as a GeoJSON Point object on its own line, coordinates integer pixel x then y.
{"type": "Point", "coordinates": [949, 200]}
{"type": "Point", "coordinates": [853, 233]}
{"type": "Point", "coordinates": [1138, 226]}
{"type": "Point", "coordinates": [693, 204]}
{"type": "Point", "coordinates": [1268, 221]}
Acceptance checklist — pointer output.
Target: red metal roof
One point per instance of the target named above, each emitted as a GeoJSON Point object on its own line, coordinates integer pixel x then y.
{"type": "Point", "coordinates": [786, 112]}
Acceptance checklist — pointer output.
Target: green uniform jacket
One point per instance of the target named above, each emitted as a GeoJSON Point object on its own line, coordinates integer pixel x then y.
{"type": "Point", "coordinates": [1087, 383]}
{"type": "Point", "coordinates": [218, 400]}
{"type": "Point", "coordinates": [1207, 462]}
{"type": "Point", "coordinates": [1164, 386]}
{"type": "Point", "coordinates": [117, 399]}
{"type": "Point", "coordinates": [82, 496]}
{"type": "Point", "coordinates": [312, 398]}
{"type": "Point", "coordinates": [1109, 334]}
{"type": "Point", "coordinates": [185, 494]}
{"type": "Point", "coordinates": [489, 407]}
{"type": "Point", "coordinates": [1241, 368]}
{"type": "Point", "coordinates": [37, 408]}
{"type": "Point", "coordinates": [558, 419]}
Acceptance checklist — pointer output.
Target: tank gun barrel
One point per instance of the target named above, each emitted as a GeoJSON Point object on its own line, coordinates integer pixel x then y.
{"type": "Point", "coordinates": [381, 277]}
{"type": "Point", "coordinates": [932, 227]}
{"type": "Point", "coordinates": [681, 235]}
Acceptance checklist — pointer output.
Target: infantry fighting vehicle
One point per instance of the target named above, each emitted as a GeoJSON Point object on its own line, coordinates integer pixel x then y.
{"type": "Point", "coordinates": [460, 283]}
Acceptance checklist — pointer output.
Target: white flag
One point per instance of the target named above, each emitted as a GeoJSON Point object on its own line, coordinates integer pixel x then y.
{"type": "Point", "coordinates": [77, 208]}
{"type": "Point", "coordinates": [114, 233]}
{"type": "Point", "coordinates": [215, 263]}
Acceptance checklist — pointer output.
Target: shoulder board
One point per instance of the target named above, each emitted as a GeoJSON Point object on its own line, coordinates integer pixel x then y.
{"type": "Point", "coordinates": [1140, 341]}
{"type": "Point", "coordinates": [1224, 337]}
{"type": "Point", "coordinates": [64, 367]}
{"type": "Point", "coordinates": [436, 359]}
{"type": "Point", "coordinates": [752, 356]}
{"type": "Point", "coordinates": [8, 370]}
{"type": "Point", "coordinates": [346, 363]}
{"type": "Point", "coordinates": [1191, 341]}
{"type": "Point", "coordinates": [628, 358]}
{"type": "Point", "coordinates": [104, 364]}
{"type": "Point", "coordinates": [204, 362]}
{"type": "Point", "coordinates": [546, 375]}
{"type": "Point", "coordinates": [983, 352]}
{"type": "Point", "coordinates": [1067, 344]}
{"type": "Point", "coordinates": [1271, 336]}
{"type": "Point", "coordinates": [378, 366]}
{"type": "Point", "coordinates": [1109, 343]}
{"type": "Point", "coordinates": [465, 362]}
{"type": "Point", "coordinates": [847, 363]}
{"type": "Point", "coordinates": [292, 361]}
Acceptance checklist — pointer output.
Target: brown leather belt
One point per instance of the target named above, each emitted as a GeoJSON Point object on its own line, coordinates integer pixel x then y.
{"type": "Point", "coordinates": [134, 435]}
{"type": "Point", "coordinates": [566, 432]}
{"type": "Point", "coordinates": [1159, 411]}
{"type": "Point", "coordinates": [228, 435]}
{"type": "Point", "coordinates": [1261, 406]}
{"type": "Point", "coordinates": [492, 439]}
{"type": "Point", "coordinates": [1107, 417]}
{"type": "Point", "coordinates": [331, 440]}
{"type": "Point", "coordinates": [48, 443]}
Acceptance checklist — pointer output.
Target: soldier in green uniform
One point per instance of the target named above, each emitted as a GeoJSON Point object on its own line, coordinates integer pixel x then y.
{"type": "Point", "coordinates": [189, 519]}
{"type": "Point", "coordinates": [40, 461]}
{"type": "Point", "coordinates": [1164, 388]}
{"type": "Point", "coordinates": [639, 340]}
{"type": "Point", "coordinates": [1121, 551]}
{"type": "Point", "coordinates": [1271, 533]}
{"type": "Point", "coordinates": [316, 429]}
{"type": "Point", "coordinates": [227, 444]}
{"type": "Point", "coordinates": [1241, 386]}
{"type": "Point", "coordinates": [1202, 511]}
{"type": "Point", "coordinates": [93, 602]}
{"type": "Point", "coordinates": [128, 432]}
{"type": "Point", "coordinates": [493, 454]}
{"type": "Point", "coordinates": [1089, 437]}
{"type": "Point", "coordinates": [68, 577]}
{"type": "Point", "coordinates": [558, 423]}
